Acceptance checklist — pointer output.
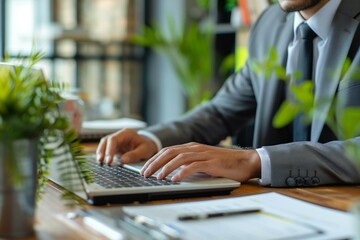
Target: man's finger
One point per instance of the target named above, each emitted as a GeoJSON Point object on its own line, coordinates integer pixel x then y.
{"type": "Point", "coordinates": [100, 151]}
{"type": "Point", "coordinates": [159, 160]}
{"type": "Point", "coordinates": [195, 167]}
{"type": "Point", "coordinates": [139, 153]}
{"type": "Point", "coordinates": [180, 160]}
{"type": "Point", "coordinates": [110, 149]}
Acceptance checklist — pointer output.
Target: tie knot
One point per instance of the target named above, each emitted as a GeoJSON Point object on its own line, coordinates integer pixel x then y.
{"type": "Point", "coordinates": [306, 32]}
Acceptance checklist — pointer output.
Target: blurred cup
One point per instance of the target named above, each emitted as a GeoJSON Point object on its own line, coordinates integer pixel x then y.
{"type": "Point", "coordinates": [73, 108]}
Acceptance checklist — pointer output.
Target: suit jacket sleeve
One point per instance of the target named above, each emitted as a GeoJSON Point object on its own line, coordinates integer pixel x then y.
{"type": "Point", "coordinates": [212, 121]}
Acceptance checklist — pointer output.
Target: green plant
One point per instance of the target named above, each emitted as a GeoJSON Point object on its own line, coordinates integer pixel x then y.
{"type": "Point", "coordinates": [344, 122]}
{"type": "Point", "coordinates": [188, 50]}
{"type": "Point", "coordinates": [29, 110]}
{"type": "Point", "coordinates": [204, 4]}
{"type": "Point", "coordinates": [230, 4]}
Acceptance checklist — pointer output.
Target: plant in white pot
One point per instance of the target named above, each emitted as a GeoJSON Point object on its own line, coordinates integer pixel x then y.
{"type": "Point", "coordinates": [33, 130]}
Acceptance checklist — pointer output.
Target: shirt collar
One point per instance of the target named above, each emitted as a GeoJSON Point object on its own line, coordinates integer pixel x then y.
{"type": "Point", "coordinates": [320, 22]}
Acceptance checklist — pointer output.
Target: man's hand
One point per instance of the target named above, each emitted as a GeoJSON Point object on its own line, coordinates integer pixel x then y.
{"type": "Point", "coordinates": [128, 143]}
{"type": "Point", "coordinates": [236, 164]}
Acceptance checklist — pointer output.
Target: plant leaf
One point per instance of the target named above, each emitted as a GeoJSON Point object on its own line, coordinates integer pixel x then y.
{"type": "Point", "coordinates": [286, 113]}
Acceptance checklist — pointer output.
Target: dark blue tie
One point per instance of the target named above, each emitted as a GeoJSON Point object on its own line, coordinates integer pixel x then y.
{"type": "Point", "coordinates": [301, 131]}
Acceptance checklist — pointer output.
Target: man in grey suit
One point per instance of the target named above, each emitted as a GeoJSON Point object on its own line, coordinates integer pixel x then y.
{"type": "Point", "coordinates": [276, 159]}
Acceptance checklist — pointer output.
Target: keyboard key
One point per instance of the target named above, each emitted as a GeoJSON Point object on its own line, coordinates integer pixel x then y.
{"type": "Point", "coordinates": [120, 177]}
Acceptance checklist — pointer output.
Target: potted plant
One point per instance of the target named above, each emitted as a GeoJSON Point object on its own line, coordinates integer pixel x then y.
{"type": "Point", "coordinates": [33, 130]}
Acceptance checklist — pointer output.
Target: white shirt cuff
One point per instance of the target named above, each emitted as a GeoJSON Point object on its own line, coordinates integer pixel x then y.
{"type": "Point", "coordinates": [152, 137]}
{"type": "Point", "coordinates": [265, 167]}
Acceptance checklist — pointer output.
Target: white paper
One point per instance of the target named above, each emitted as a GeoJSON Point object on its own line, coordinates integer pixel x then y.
{"type": "Point", "coordinates": [281, 217]}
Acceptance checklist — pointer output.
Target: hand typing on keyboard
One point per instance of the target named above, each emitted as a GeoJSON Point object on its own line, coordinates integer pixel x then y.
{"type": "Point", "coordinates": [188, 159]}
{"type": "Point", "coordinates": [131, 146]}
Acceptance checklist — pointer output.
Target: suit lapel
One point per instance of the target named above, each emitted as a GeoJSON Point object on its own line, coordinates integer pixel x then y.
{"type": "Point", "coordinates": [329, 68]}
{"type": "Point", "coordinates": [274, 86]}
{"type": "Point", "coordinates": [287, 35]}
{"type": "Point", "coordinates": [272, 89]}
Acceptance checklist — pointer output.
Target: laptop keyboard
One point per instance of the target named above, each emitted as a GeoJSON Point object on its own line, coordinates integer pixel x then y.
{"type": "Point", "coordinates": [120, 177]}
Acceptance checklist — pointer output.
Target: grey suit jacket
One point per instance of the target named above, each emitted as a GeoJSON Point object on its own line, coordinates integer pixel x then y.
{"type": "Point", "coordinates": [246, 96]}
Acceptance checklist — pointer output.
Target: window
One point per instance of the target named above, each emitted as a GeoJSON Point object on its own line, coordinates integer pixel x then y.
{"type": "Point", "coordinates": [86, 46]}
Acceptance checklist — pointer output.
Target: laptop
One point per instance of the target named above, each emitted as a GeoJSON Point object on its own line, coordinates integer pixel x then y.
{"type": "Point", "coordinates": [122, 183]}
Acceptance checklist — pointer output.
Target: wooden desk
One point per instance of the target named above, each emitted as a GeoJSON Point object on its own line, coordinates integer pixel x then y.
{"type": "Point", "coordinates": [52, 221]}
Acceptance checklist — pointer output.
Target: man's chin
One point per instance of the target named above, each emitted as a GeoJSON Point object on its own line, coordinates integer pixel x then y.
{"type": "Point", "coordinates": [297, 5]}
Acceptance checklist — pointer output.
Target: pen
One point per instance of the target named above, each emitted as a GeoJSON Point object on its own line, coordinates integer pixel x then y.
{"type": "Point", "coordinates": [217, 214]}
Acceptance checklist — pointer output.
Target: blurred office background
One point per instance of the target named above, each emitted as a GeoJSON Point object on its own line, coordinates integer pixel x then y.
{"type": "Point", "coordinates": [86, 45]}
